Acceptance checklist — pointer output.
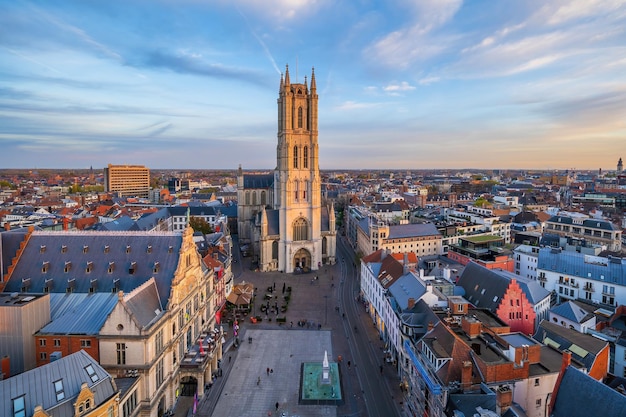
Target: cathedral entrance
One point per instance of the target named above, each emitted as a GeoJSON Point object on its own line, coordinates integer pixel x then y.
{"type": "Point", "coordinates": [302, 261]}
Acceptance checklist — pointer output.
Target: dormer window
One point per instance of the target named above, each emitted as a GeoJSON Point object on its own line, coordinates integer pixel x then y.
{"type": "Point", "coordinates": [63, 249]}
{"type": "Point", "coordinates": [68, 266]}
{"type": "Point", "coordinates": [44, 267]}
{"type": "Point", "coordinates": [58, 389]}
{"type": "Point", "coordinates": [111, 267]}
{"type": "Point", "coordinates": [42, 248]}
{"type": "Point", "coordinates": [92, 374]}
{"type": "Point", "coordinates": [127, 248]}
{"type": "Point", "coordinates": [155, 268]}
{"type": "Point", "coordinates": [85, 249]}
{"type": "Point", "coordinates": [170, 249]}
{"type": "Point", "coordinates": [106, 249]}
{"type": "Point", "coordinates": [149, 249]}
{"type": "Point", "coordinates": [132, 268]}
{"type": "Point", "coordinates": [89, 267]}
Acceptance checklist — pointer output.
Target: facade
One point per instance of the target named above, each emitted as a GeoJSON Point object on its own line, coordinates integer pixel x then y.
{"type": "Point", "coordinates": [72, 386]}
{"type": "Point", "coordinates": [485, 250]}
{"type": "Point", "coordinates": [21, 315]}
{"type": "Point", "coordinates": [158, 306]}
{"type": "Point", "coordinates": [572, 275]}
{"type": "Point", "coordinates": [526, 257]}
{"type": "Point", "coordinates": [127, 180]}
{"type": "Point", "coordinates": [594, 231]}
{"type": "Point", "coordinates": [282, 215]}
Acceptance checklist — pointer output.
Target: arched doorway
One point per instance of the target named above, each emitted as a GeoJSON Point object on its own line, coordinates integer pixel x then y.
{"type": "Point", "coordinates": [188, 386]}
{"type": "Point", "coordinates": [302, 261]}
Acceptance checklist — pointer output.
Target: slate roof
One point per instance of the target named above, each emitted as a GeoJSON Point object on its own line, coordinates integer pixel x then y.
{"type": "Point", "coordinates": [413, 230]}
{"type": "Point", "coordinates": [572, 311]}
{"type": "Point", "coordinates": [610, 270]}
{"type": "Point", "coordinates": [144, 303]}
{"type": "Point", "coordinates": [74, 250]}
{"type": "Point", "coordinates": [418, 318]}
{"type": "Point", "coordinates": [258, 181]}
{"type": "Point", "coordinates": [78, 314]}
{"type": "Point", "coordinates": [590, 223]}
{"type": "Point", "coordinates": [584, 347]}
{"type": "Point", "coordinates": [485, 288]}
{"type": "Point", "coordinates": [579, 395]}
{"type": "Point", "coordinates": [37, 385]}
{"type": "Point", "coordinates": [9, 244]}
{"type": "Point", "coordinates": [406, 287]}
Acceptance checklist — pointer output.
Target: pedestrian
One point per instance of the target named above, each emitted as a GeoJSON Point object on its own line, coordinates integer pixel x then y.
{"type": "Point", "coordinates": [267, 371]}
{"type": "Point", "coordinates": [348, 364]}
{"type": "Point", "coordinates": [274, 287]}
{"type": "Point", "coordinates": [381, 369]}
{"type": "Point", "coordinates": [229, 358]}
{"type": "Point", "coordinates": [258, 381]}
{"type": "Point", "coordinates": [284, 287]}
{"type": "Point", "coordinates": [277, 405]}
{"type": "Point", "coordinates": [271, 370]}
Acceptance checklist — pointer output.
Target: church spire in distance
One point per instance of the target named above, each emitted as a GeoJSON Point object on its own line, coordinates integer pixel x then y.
{"type": "Point", "coordinates": [287, 81]}
{"type": "Point", "coordinates": [313, 85]}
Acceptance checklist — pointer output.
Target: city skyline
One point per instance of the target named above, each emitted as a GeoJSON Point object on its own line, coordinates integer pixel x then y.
{"type": "Point", "coordinates": [402, 85]}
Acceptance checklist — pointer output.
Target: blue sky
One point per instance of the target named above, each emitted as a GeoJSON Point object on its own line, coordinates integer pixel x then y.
{"type": "Point", "coordinates": [402, 83]}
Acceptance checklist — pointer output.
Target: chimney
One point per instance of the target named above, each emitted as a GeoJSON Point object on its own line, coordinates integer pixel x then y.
{"type": "Point", "coordinates": [504, 399]}
{"type": "Point", "coordinates": [5, 368]}
{"type": "Point", "coordinates": [7, 226]}
{"type": "Point", "coordinates": [466, 375]}
{"type": "Point", "coordinates": [567, 359]}
{"type": "Point", "coordinates": [405, 266]}
{"type": "Point", "coordinates": [430, 326]}
{"type": "Point", "coordinates": [411, 303]}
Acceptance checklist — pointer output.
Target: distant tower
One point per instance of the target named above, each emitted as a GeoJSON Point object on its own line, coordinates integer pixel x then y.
{"type": "Point", "coordinates": [620, 166]}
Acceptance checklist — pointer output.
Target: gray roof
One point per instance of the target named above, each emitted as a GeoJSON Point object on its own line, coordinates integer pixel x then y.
{"type": "Point", "coordinates": [584, 347]}
{"type": "Point", "coordinates": [413, 230]}
{"type": "Point", "coordinates": [78, 313]}
{"type": "Point", "coordinates": [9, 244]}
{"type": "Point", "coordinates": [141, 250]}
{"type": "Point", "coordinates": [485, 287]}
{"type": "Point", "coordinates": [572, 312]}
{"type": "Point", "coordinates": [590, 223]}
{"type": "Point", "coordinates": [144, 303]}
{"type": "Point", "coordinates": [258, 181]}
{"type": "Point", "coordinates": [37, 386]}
{"type": "Point", "coordinates": [609, 270]}
{"type": "Point", "coordinates": [579, 395]}
{"type": "Point", "coordinates": [406, 287]}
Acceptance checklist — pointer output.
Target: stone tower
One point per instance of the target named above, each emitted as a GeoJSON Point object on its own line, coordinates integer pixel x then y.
{"type": "Point", "coordinates": [297, 191]}
{"type": "Point", "coordinates": [620, 166]}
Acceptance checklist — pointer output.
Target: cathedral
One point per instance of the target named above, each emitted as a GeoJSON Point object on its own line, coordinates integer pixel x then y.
{"type": "Point", "coordinates": [281, 218]}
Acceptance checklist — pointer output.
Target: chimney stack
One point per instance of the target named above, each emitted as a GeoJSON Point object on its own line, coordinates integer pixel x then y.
{"type": "Point", "coordinates": [411, 303]}
{"type": "Point", "coordinates": [7, 226]}
{"type": "Point", "coordinates": [504, 399]}
{"type": "Point", "coordinates": [466, 375]}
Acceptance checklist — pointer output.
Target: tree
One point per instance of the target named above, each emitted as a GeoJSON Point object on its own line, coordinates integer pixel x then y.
{"type": "Point", "coordinates": [198, 224]}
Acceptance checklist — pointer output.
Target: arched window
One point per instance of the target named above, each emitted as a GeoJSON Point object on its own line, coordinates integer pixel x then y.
{"type": "Point", "coordinates": [295, 157]}
{"type": "Point", "coordinates": [254, 198]}
{"type": "Point", "coordinates": [275, 250]}
{"type": "Point", "coordinates": [305, 157]}
{"type": "Point", "coordinates": [247, 198]}
{"type": "Point", "coordinates": [299, 117]}
{"type": "Point", "coordinates": [324, 246]}
{"type": "Point", "coordinates": [296, 190]}
{"type": "Point", "coordinates": [263, 198]}
{"type": "Point", "coordinates": [300, 229]}
{"type": "Point", "coordinates": [304, 190]}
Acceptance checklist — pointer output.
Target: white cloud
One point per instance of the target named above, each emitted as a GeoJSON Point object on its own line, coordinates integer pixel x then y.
{"type": "Point", "coordinates": [403, 86]}
{"type": "Point", "coordinates": [354, 105]}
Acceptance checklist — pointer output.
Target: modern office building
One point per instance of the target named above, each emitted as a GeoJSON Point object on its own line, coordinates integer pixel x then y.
{"type": "Point", "coordinates": [127, 180]}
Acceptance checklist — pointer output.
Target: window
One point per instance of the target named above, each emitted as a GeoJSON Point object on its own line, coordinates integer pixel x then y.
{"type": "Point", "coordinates": [536, 382]}
{"type": "Point", "coordinates": [121, 353]}
{"type": "Point", "coordinates": [85, 249]}
{"type": "Point", "coordinates": [299, 117]}
{"type": "Point", "coordinates": [305, 157]}
{"type": "Point", "coordinates": [158, 341]}
{"type": "Point", "coordinates": [155, 269]}
{"type": "Point", "coordinates": [63, 249]}
{"type": "Point", "coordinates": [42, 342]}
{"type": "Point", "coordinates": [19, 407]}
{"type": "Point", "coordinates": [106, 249]}
{"type": "Point", "coordinates": [85, 343]}
{"type": "Point", "coordinates": [295, 157]}
{"type": "Point", "coordinates": [538, 402]}
{"type": "Point", "coordinates": [92, 373]}
{"type": "Point", "coordinates": [57, 342]}
{"type": "Point", "coordinates": [127, 248]}
{"type": "Point", "coordinates": [300, 229]}
{"type": "Point", "coordinates": [43, 356]}
{"type": "Point", "coordinates": [58, 389]}
{"type": "Point", "coordinates": [129, 406]}
{"type": "Point", "coordinates": [159, 373]}
{"type": "Point", "coordinates": [89, 267]}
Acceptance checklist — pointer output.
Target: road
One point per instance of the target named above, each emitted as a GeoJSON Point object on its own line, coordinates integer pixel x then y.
{"type": "Point", "coordinates": [379, 396]}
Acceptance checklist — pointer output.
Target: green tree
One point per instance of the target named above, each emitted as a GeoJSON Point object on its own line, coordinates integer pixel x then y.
{"type": "Point", "coordinates": [198, 224]}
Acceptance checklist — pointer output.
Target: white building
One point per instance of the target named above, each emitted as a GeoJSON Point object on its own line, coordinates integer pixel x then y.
{"type": "Point", "coordinates": [526, 258]}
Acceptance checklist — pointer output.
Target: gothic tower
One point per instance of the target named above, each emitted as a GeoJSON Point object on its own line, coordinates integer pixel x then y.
{"type": "Point", "coordinates": [297, 192]}
{"type": "Point", "coordinates": [620, 166]}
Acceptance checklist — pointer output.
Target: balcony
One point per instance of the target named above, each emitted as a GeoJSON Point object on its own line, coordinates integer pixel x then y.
{"type": "Point", "coordinates": [589, 287]}
{"type": "Point", "coordinates": [203, 350]}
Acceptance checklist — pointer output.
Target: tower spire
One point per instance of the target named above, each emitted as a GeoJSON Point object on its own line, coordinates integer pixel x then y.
{"type": "Point", "coordinates": [282, 81]}
{"type": "Point", "coordinates": [287, 82]}
{"type": "Point", "coordinates": [313, 85]}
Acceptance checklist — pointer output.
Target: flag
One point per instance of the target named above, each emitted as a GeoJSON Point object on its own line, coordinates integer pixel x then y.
{"type": "Point", "coordinates": [201, 348]}
{"type": "Point", "coordinates": [195, 402]}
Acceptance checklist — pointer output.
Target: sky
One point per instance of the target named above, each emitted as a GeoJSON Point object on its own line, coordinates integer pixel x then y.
{"type": "Point", "coordinates": [402, 84]}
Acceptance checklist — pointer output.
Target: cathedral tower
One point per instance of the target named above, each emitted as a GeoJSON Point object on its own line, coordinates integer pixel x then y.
{"type": "Point", "coordinates": [297, 180]}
